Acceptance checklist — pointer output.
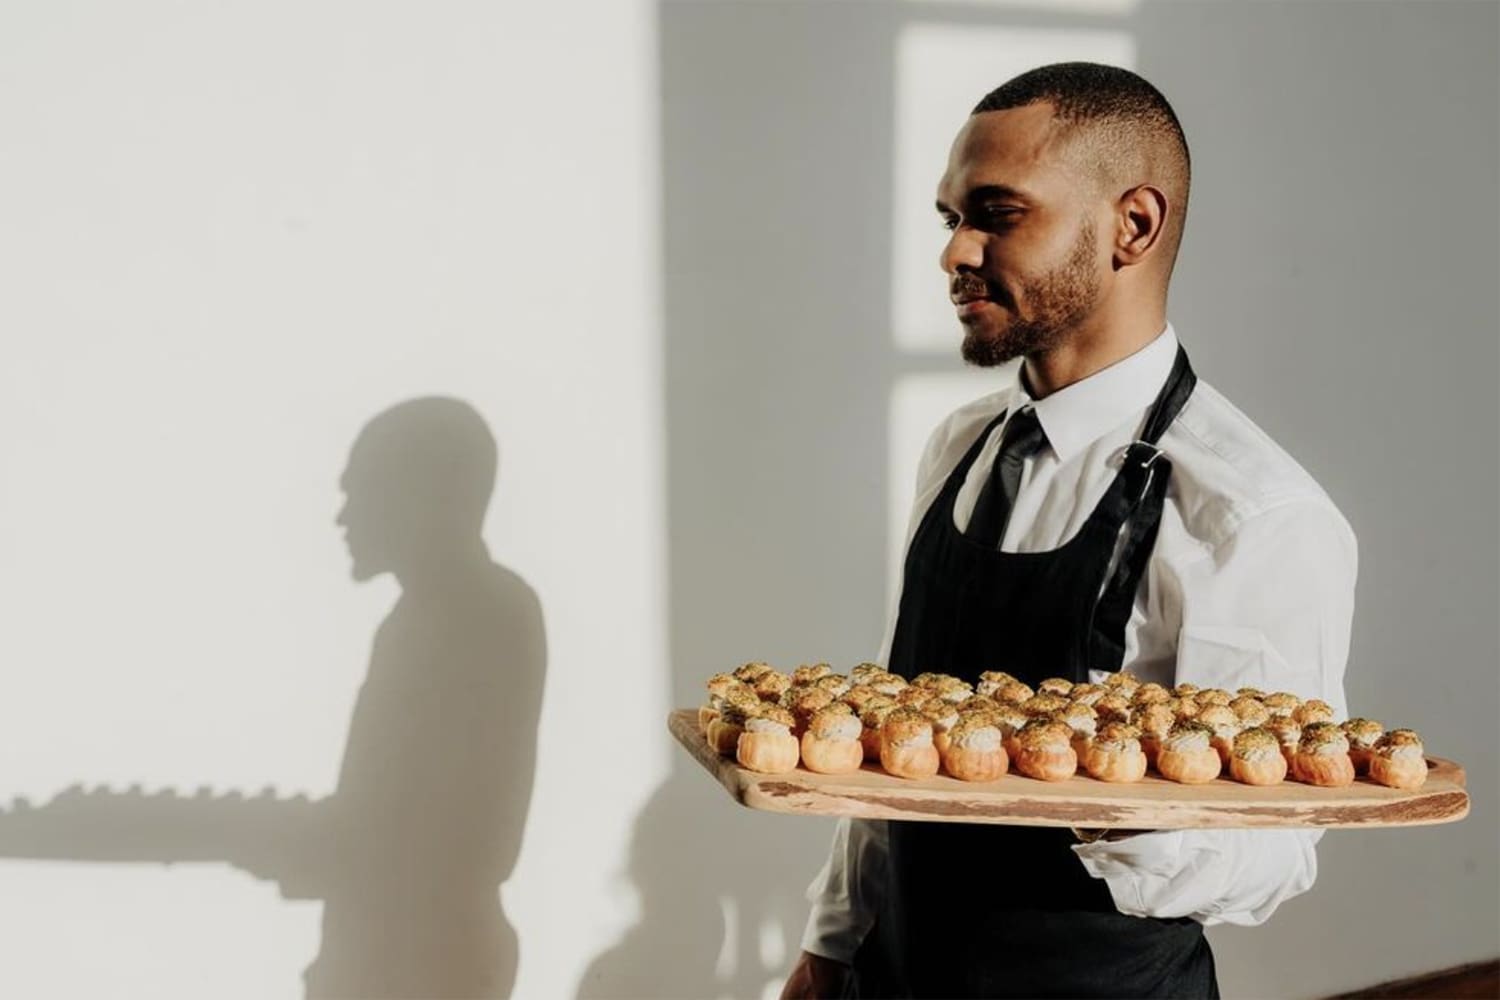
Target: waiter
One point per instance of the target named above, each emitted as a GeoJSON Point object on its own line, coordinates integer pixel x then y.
{"type": "Point", "coordinates": [1103, 510]}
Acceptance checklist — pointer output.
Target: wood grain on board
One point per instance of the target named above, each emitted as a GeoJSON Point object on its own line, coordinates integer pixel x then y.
{"type": "Point", "coordinates": [1151, 804]}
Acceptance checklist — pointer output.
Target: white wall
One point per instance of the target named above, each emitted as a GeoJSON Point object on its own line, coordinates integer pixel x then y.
{"type": "Point", "coordinates": [658, 250]}
{"type": "Point", "coordinates": [232, 236]}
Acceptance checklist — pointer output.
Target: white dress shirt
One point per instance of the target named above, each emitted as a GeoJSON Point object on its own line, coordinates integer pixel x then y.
{"type": "Point", "coordinates": [1251, 583]}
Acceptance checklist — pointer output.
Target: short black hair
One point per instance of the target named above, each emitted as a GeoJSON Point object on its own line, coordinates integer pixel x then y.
{"type": "Point", "coordinates": [1128, 131]}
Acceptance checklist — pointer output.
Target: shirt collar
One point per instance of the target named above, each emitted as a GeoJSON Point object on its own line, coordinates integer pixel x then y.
{"type": "Point", "coordinates": [1079, 414]}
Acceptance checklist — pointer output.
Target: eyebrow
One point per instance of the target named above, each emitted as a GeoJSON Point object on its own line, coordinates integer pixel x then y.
{"type": "Point", "coordinates": [989, 191]}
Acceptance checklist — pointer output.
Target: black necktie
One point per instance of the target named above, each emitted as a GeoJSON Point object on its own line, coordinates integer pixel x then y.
{"type": "Point", "coordinates": [1023, 438]}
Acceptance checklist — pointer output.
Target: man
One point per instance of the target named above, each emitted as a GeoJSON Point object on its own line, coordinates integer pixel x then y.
{"type": "Point", "coordinates": [1104, 510]}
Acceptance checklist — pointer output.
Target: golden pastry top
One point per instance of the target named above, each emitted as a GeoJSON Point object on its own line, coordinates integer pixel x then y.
{"type": "Point", "coordinates": [1363, 733]}
{"type": "Point", "coordinates": [1323, 738]}
{"type": "Point", "coordinates": [1255, 744]}
{"type": "Point", "coordinates": [1187, 735]}
{"type": "Point", "coordinates": [1045, 734]}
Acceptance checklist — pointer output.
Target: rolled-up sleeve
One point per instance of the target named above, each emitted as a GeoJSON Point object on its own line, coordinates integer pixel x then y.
{"type": "Point", "coordinates": [846, 893]}
{"type": "Point", "coordinates": [1271, 607]}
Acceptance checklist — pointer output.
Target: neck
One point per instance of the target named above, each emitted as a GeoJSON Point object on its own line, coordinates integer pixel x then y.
{"type": "Point", "coordinates": [1087, 351]}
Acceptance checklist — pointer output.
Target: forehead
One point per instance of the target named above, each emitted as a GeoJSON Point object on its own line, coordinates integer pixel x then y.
{"type": "Point", "coordinates": [1021, 148]}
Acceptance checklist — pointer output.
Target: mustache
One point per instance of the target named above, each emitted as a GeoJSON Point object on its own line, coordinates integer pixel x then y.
{"type": "Point", "coordinates": [970, 286]}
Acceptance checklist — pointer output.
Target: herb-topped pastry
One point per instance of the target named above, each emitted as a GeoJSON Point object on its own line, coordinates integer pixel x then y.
{"type": "Point", "coordinates": [1398, 759]}
{"type": "Point", "coordinates": [1323, 756]}
{"type": "Point", "coordinates": [1256, 758]}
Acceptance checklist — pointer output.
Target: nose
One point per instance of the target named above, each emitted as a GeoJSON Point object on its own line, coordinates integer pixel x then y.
{"type": "Point", "coordinates": [964, 250]}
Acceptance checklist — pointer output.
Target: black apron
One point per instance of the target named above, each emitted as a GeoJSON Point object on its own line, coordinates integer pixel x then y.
{"type": "Point", "coordinates": [982, 910]}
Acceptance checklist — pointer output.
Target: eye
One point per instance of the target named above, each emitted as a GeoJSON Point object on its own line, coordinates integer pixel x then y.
{"type": "Point", "coordinates": [949, 222]}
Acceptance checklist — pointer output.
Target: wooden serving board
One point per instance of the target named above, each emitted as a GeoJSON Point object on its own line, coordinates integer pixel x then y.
{"type": "Point", "coordinates": [1150, 804]}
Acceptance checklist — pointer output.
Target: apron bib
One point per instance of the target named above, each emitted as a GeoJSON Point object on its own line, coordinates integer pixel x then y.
{"type": "Point", "coordinates": [986, 910]}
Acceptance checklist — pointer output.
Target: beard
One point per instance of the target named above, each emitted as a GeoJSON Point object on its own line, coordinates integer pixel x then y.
{"type": "Point", "coordinates": [1060, 300]}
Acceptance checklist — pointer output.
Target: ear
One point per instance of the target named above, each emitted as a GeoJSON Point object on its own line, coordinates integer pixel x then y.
{"type": "Point", "coordinates": [1142, 212]}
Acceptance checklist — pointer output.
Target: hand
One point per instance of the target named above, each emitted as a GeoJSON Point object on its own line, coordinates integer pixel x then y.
{"type": "Point", "coordinates": [815, 978]}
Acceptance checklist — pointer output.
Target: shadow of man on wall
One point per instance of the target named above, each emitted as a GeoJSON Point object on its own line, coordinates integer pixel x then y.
{"type": "Point", "coordinates": [409, 852]}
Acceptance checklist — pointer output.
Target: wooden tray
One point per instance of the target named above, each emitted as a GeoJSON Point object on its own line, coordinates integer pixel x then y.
{"type": "Point", "coordinates": [1150, 804]}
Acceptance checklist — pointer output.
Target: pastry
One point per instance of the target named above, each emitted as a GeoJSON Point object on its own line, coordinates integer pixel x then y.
{"type": "Point", "coordinates": [860, 695]}
{"type": "Point", "coordinates": [1154, 722]}
{"type": "Point", "coordinates": [1225, 725]}
{"type": "Point", "coordinates": [1398, 759]}
{"type": "Point", "coordinates": [944, 716]}
{"type": "Point", "coordinates": [1123, 683]}
{"type": "Point", "coordinates": [1256, 758]}
{"type": "Point", "coordinates": [810, 672]}
{"type": "Point", "coordinates": [872, 718]}
{"type": "Point", "coordinates": [1251, 710]}
{"type": "Point", "coordinates": [1323, 756]}
{"type": "Point", "coordinates": [767, 744]}
{"type": "Point", "coordinates": [860, 673]}
{"type": "Point", "coordinates": [991, 681]}
{"type": "Point", "coordinates": [1115, 753]}
{"type": "Point", "coordinates": [831, 744]}
{"type": "Point", "coordinates": [1187, 753]}
{"type": "Point", "coordinates": [835, 684]}
{"type": "Point", "coordinates": [1185, 706]}
{"type": "Point", "coordinates": [803, 702]}
{"type": "Point", "coordinates": [975, 751]}
{"type": "Point", "coordinates": [1083, 720]}
{"type": "Point", "coordinates": [1043, 704]}
{"type": "Point", "coordinates": [771, 685]}
{"type": "Point", "coordinates": [718, 686]}
{"type": "Point", "coordinates": [1362, 735]}
{"type": "Point", "coordinates": [1184, 689]}
{"type": "Point", "coordinates": [1287, 732]}
{"type": "Point", "coordinates": [724, 732]}
{"type": "Point", "coordinates": [1089, 694]}
{"type": "Point", "coordinates": [1313, 710]}
{"type": "Point", "coordinates": [1150, 693]}
{"type": "Point", "coordinates": [750, 672]}
{"type": "Point", "coordinates": [887, 683]}
{"type": "Point", "coordinates": [1281, 702]}
{"type": "Point", "coordinates": [1010, 718]}
{"type": "Point", "coordinates": [1055, 685]}
{"type": "Point", "coordinates": [1113, 708]}
{"type": "Point", "coordinates": [1213, 696]}
{"type": "Point", "coordinates": [1250, 692]}
{"type": "Point", "coordinates": [1044, 750]}
{"type": "Point", "coordinates": [1014, 692]}
{"type": "Point", "coordinates": [906, 748]}
{"type": "Point", "coordinates": [954, 691]}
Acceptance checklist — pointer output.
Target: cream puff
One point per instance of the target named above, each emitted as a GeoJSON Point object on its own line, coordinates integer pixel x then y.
{"type": "Point", "coordinates": [954, 691]}
{"type": "Point", "coordinates": [944, 716]}
{"type": "Point", "coordinates": [810, 672]}
{"type": "Point", "coordinates": [1287, 732]}
{"type": "Point", "coordinates": [718, 686]}
{"type": "Point", "coordinates": [1089, 694]}
{"type": "Point", "coordinates": [1060, 686]}
{"type": "Point", "coordinates": [767, 744]}
{"type": "Point", "coordinates": [1362, 735]}
{"type": "Point", "coordinates": [831, 744]}
{"type": "Point", "coordinates": [1115, 753]}
{"type": "Point", "coordinates": [771, 685]}
{"type": "Point", "coordinates": [1113, 708]}
{"type": "Point", "coordinates": [1185, 689]}
{"type": "Point", "coordinates": [1256, 758]}
{"type": "Point", "coordinates": [906, 747]}
{"type": "Point", "coordinates": [1312, 710]}
{"type": "Point", "coordinates": [1010, 718]}
{"type": "Point", "coordinates": [750, 672]}
{"type": "Point", "coordinates": [886, 683]}
{"type": "Point", "coordinates": [724, 731]}
{"type": "Point", "coordinates": [928, 679]}
{"type": "Point", "coordinates": [1225, 725]}
{"type": "Point", "coordinates": [1083, 720]}
{"type": "Point", "coordinates": [1323, 756]}
{"type": "Point", "coordinates": [803, 701]}
{"type": "Point", "coordinates": [978, 703]}
{"type": "Point", "coordinates": [860, 695]}
{"type": "Point", "coordinates": [1043, 704]}
{"type": "Point", "coordinates": [872, 718]}
{"type": "Point", "coordinates": [1044, 750]}
{"type": "Point", "coordinates": [862, 672]}
{"type": "Point", "coordinates": [975, 749]}
{"type": "Point", "coordinates": [1155, 721]}
{"type": "Point", "coordinates": [835, 684]}
{"type": "Point", "coordinates": [915, 695]}
{"type": "Point", "coordinates": [1398, 759]}
{"type": "Point", "coordinates": [1123, 683]}
{"type": "Point", "coordinates": [1185, 706]}
{"type": "Point", "coordinates": [1150, 693]}
{"type": "Point", "coordinates": [1214, 696]}
{"type": "Point", "coordinates": [1250, 692]}
{"type": "Point", "coordinates": [1187, 753]}
{"type": "Point", "coordinates": [1281, 702]}
{"type": "Point", "coordinates": [1014, 692]}
{"type": "Point", "coordinates": [991, 681]}
{"type": "Point", "coordinates": [1251, 710]}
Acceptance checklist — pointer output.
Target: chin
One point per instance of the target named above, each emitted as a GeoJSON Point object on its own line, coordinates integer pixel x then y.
{"type": "Point", "coordinates": [987, 349]}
